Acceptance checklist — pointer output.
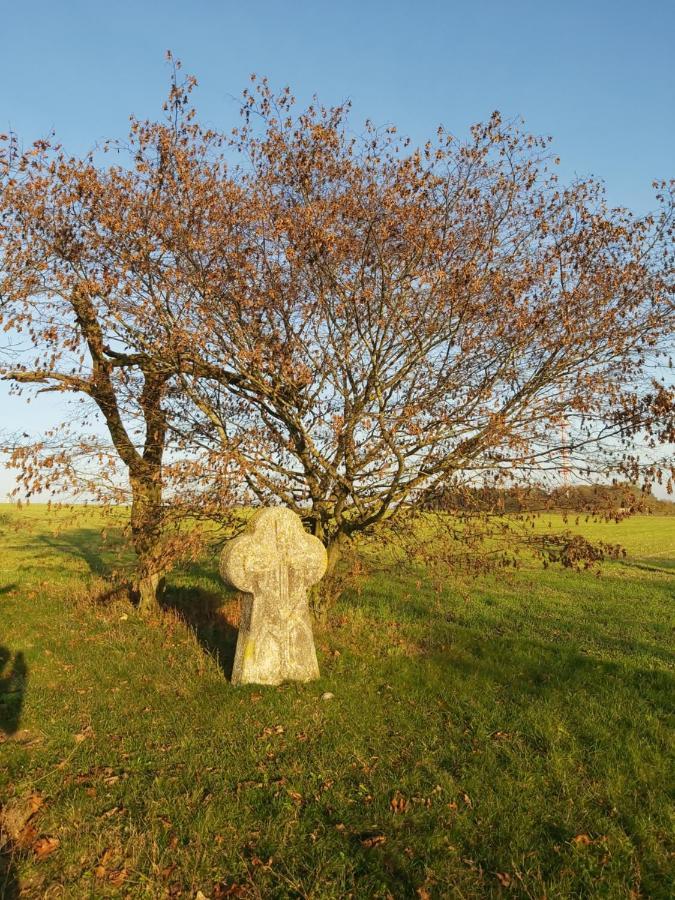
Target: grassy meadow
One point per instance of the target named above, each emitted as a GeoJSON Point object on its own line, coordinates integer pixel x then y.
{"type": "Point", "coordinates": [510, 738]}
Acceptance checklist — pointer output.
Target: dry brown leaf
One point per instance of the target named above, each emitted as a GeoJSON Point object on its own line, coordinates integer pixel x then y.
{"type": "Point", "coordinates": [27, 836]}
{"type": "Point", "coordinates": [110, 812]}
{"type": "Point", "coordinates": [45, 846]}
{"type": "Point", "coordinates": [224, 890]}
{"type": "Point", "coordinates": [375, 840]}
{"type": "Point", "coordinates": [118, 877]}
{"type": "Point", "coordinates": [582, 840]}
{"type": "Point", "coordinates": [398, 803]}
{"type": "Point", "coordinates": [106, 856]}
{"type": "Point", "coordinates": [504, 879]}
{"type": "Point", "coordinates": [15, 816]}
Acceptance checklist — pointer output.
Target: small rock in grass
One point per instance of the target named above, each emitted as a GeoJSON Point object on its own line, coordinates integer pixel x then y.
{"type": "Point", "coordinates": [327, 695]}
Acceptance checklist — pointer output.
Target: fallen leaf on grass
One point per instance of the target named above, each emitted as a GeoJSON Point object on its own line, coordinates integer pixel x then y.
{"type": "Point", "coordinates": [374, 840]}
{"type": "Point", "coordinates": [227, 890]}
{"type": "Point", "coordinates": [118, 877]}
{"type": "Point", "coordinates": [269, 730]}
{"type": "Point", "coordinates": [504, 879]}
{"type": "Point", "coordinates": [398, 803]}
{"type": "Point", "coordinates": [46, 845]}
{"type": "Point", "coordinates": [27, 836]}
{"type": "Point", "coordinates": [111, 812]}
{"type": "Point", "coordinates": [105, 858]}
{"type": "Point", "coordinates": [14, 817]}
{"type": "Point", "coordinates": [582, 840]}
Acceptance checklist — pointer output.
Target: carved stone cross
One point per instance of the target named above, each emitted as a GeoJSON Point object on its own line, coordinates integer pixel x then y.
{"type": "Point", "coordinates": [274, 561]}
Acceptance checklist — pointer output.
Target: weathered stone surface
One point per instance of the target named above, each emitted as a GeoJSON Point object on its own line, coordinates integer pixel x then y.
{"type": "Point", "coordinates": [274, 561]}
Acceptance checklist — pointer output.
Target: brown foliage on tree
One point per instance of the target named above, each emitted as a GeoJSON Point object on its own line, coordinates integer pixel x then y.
{"type": "Point", "coordinates": [418, 317]}
{"type": "Point", "coordinates": [92, 301]}
{"type": "Point", "coordinates": [343, 324]}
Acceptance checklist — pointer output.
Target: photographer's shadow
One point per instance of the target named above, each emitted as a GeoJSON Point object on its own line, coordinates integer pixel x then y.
{"type": "Point", "coordinates": [13, 679]}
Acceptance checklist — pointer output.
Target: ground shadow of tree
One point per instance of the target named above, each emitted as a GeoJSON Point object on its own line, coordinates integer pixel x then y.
{"type": "Point", "coordinates": [543, 672]}
{"type": "Point", "coordinates": [209, 610]}
{"type": "Point", "coordinates": [13, 679]}
{"type": "Point", "coordinates": [100, 554]}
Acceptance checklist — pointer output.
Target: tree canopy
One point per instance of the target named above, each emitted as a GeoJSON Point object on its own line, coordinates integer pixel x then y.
{"type": "Point", "coordinates": [343, 323]}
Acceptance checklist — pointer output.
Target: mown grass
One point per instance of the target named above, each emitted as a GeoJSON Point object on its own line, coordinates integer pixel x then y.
{"type": "Point", "coordinates": [511, 739]}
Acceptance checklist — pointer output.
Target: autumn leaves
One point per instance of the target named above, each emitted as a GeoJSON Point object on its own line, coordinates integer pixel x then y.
{"type": "Point", "coordinates": [286, 313]}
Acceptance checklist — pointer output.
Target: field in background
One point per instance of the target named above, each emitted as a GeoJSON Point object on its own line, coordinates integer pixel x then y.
{"type": "Point", "coordinates": [511, 738]}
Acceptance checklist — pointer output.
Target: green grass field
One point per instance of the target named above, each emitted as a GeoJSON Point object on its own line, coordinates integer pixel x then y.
{"type": "Point", "coordinates": [509, 739]}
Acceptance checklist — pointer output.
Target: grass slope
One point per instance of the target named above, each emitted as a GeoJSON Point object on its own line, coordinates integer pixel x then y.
{"type": "Point", "coordinates": [514, 739]}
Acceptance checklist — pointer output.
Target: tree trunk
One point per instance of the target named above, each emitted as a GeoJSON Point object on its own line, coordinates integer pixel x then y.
{"type": "Point", "coordinates": [327, 591]}
{"type": "Point", "coordinates": [146, 533]}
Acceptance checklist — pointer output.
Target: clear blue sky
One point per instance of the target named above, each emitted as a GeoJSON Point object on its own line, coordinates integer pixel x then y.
{"type": "Point", "coordinates": [597, 75]}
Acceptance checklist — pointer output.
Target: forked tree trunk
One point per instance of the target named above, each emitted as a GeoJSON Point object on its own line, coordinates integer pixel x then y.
{"type": "Point", "coordinates": [146, 534]}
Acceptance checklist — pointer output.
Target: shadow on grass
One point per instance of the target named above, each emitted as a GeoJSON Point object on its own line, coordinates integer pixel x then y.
{"type": "Point", "coordinates": [13, 678]}
{"type": "Point", "coordinates": [539, 672]}
{"type": "Point", "coordinates": [12, 689]}
{"type": "Point", "coordinates": [663, 566]}
{"type": "Point", "coordinates": [212, 615]}
{"type": "Point", "coordinates": [203, 604]}
{"type": "Point", "coordinates": [85, 544]}
{"type": "Point", "coordinates": [7, 588]}
{"type": "Point", "coordinates": [9, 883]}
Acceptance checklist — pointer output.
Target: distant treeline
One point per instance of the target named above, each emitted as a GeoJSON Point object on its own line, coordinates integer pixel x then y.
{"type": "Point", "coordinates": [601, 499]}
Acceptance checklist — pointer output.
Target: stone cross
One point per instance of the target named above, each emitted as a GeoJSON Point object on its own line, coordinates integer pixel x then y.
{"type": "Point", "coordinates": [274, 561]}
